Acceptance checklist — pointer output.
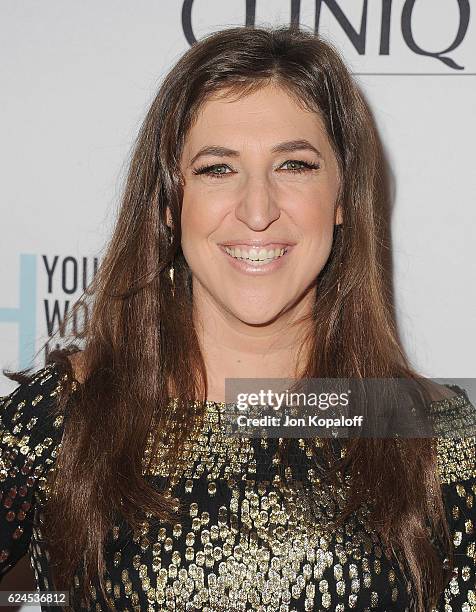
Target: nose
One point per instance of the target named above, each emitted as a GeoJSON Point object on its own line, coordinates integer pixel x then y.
{"type": "Point", "coordinates": [258, 207]}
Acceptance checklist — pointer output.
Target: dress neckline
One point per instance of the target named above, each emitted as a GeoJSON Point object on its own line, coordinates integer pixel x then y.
{"type": "Point", "coordinates": [445, 402]}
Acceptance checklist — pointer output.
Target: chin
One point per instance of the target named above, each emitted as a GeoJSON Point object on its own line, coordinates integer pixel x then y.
{"type": "Point", "coordinates": [256, 316]}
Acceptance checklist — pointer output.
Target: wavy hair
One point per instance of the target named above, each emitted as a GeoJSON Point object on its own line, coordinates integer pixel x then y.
{"type": "Point", "coordinates": [139, 337]}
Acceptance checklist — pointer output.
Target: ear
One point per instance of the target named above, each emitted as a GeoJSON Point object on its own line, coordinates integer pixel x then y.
{"type": "Point", "coordinates": [168, 217]}
{"type": "Point", "coordinates": [339, 215]}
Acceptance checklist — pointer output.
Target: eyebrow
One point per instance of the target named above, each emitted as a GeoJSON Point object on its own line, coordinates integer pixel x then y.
{"type": "Point", "coordinates": [283, 147]}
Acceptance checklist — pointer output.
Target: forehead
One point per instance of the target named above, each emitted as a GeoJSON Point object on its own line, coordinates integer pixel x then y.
{"type": "Point", "coordinates": [261, 118]}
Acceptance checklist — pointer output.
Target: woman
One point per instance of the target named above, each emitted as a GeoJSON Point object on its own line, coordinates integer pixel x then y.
{"type": "Point", "coordinates": [258, 146]}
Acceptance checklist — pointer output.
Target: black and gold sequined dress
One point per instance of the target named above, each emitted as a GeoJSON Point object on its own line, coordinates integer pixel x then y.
{"type": "Point", "coordinates": [248, 539]}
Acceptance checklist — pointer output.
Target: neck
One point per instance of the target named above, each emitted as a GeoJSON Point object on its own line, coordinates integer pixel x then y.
{"type": "Point", "coordinates": [232, 348]}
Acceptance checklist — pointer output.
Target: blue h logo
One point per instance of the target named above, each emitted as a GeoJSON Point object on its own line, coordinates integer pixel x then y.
{"type": "Point", "coordinates": [25, 314]}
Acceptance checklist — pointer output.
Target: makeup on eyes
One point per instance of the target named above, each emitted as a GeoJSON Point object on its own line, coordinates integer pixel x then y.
{"type": "Point", "coordinates": [305, 167]}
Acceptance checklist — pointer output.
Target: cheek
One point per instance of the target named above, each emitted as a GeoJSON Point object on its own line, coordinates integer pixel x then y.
{"type": "Point", "coordinates": [204, 215]}
{"type": "Point", "coordinates": [319, 250]}
{"type": "Point", "coordinates": [194, 218]}
{"type": "Point", "coordinates": [198, 222]}
{"type": "Point", "coordinates": [315, 217]}
{"type": "Point", "coordinates": [314, 202]}
{"type": "Point", "coordinates": [317, 228]}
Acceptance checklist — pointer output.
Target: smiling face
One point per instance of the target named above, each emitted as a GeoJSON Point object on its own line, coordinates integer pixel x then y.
{"type": "Point", "coordinates": [259, 172]}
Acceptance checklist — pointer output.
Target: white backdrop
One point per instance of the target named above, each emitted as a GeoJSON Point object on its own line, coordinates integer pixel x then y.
{"type": "Point", "coordinates": [78, 77]}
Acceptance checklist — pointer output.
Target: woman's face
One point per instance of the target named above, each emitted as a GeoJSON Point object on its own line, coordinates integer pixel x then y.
{"type": "Point", "coordinates": [261, 182]}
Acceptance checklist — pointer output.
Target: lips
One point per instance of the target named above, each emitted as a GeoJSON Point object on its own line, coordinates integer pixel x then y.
{"type": "Point", "coordinates": [256, 267]}
{"type": "Point", "coordinates": [258, 244]}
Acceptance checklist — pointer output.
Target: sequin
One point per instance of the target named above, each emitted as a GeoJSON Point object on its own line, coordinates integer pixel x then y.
{"type": "Point", "coordinates": [250, 538]}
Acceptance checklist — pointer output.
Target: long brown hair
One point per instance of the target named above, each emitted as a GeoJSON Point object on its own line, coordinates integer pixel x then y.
{"type": "Point", "coordinates": [140, 340]}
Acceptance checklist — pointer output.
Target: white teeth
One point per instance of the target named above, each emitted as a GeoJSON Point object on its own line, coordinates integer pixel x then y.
{"type": "Point", "coordinates": [263, 255]}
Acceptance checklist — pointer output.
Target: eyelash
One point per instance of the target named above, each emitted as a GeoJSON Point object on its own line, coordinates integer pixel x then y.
{"type": "Point", "coordinates": [207, 169]}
